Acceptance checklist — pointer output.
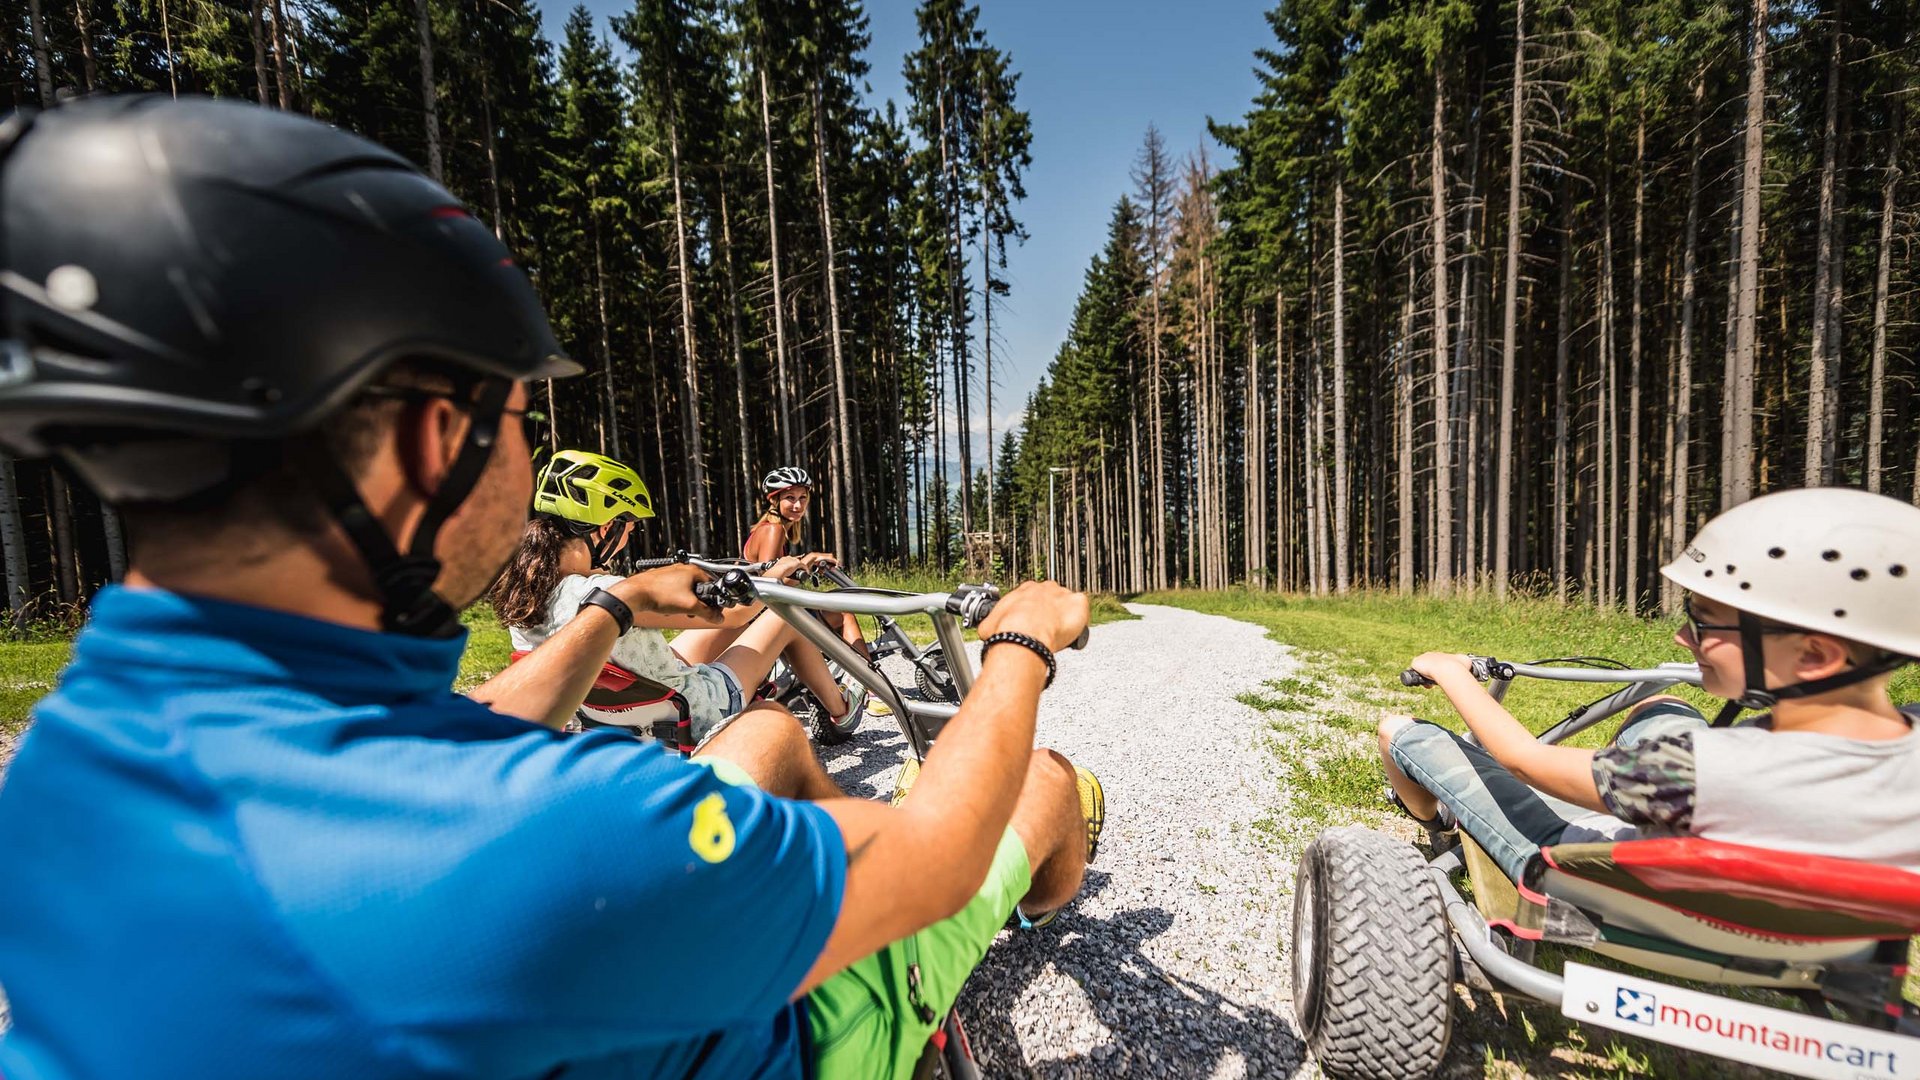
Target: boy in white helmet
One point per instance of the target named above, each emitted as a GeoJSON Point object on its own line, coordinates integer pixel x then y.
{"type": "Point", "coordinates": [1802, 603]}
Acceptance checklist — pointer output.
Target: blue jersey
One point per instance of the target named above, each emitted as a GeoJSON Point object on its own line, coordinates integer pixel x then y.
{"type": "Point", "coordinates": [238, 843]}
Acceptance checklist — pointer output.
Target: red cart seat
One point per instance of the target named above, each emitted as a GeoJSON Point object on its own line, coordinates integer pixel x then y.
{"type": "Point", "coordinates": [621, 698]}
{"type": "Point", "coordinates": [1723, 912]}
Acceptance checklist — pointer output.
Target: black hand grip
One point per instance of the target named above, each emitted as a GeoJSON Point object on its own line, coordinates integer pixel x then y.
{"type": "Point", "coordinates": [1081, 641]}
{"type": "Point", "coordinates": [709, 593]}
{"type": "Point", "coordinates": [1411, 677]}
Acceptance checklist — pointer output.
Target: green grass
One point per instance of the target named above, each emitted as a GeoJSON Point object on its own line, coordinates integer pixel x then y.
{"type": "Point", "coordinates": [1105, 607]}
{"type": "Point", "coordinates": [29, 669]}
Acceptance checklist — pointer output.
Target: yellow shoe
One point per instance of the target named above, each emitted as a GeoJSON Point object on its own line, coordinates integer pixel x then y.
{"type": "Point", "coordinates": [876, 707]}
{"type": "Point", "coordinates": [909, 772]}
{"type": "Point", "coordinates": [1093, 806]}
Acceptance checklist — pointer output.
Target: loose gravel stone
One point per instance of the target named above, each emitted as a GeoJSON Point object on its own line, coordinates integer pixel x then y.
{"type": "Point", "coordinates": [1170, 964]}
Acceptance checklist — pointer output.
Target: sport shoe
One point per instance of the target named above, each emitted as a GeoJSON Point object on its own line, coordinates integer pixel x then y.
{"type": "Point", "coordinates": [856, 694]}
{"type": "Point", "coordinates": [909, 772]}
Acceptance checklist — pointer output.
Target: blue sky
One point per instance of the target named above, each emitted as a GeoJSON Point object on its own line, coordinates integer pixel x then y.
{"type": "Point", "coordinates": [1094, 73]}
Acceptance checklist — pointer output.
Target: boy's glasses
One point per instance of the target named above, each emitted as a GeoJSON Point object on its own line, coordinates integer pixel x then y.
{"type": "Point", "coordinates": [1696, 629]}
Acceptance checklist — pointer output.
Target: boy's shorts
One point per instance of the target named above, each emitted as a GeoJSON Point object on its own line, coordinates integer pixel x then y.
{"type": "Point", "coordinates": [866, 1022]}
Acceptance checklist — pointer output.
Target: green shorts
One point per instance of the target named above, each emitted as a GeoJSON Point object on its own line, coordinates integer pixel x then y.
{"type": "Point", "coordinates": [863, 1022]}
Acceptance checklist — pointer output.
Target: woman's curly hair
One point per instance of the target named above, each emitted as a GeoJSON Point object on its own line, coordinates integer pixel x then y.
{"type": "Point", "coordinates": [524, 590]}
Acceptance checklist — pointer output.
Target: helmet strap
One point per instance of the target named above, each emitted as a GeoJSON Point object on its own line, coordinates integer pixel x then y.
{"type": "Point", "coordinates": [1759, 696]}
{"type": "Point", "coordinates": [405, 582]}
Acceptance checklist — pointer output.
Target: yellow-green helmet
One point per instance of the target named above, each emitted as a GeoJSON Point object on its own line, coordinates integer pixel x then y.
{"type": "Point", "coordinates": [590, 489]}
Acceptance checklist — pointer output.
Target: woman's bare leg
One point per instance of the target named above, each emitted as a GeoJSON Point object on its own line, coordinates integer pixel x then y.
{"type": "Point", "coordinates": [811, 667]}
{"type": "Point", "coordinates": [705, 646]}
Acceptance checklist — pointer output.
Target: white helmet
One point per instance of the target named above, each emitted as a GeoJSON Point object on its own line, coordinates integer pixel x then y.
{"type": "Point", "coordinates": [785, 477]}
{"type": "Point", "coordinates": [1835, 561]}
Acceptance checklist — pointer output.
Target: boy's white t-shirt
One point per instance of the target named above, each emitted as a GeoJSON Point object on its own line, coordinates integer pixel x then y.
{"type": "Point", "coordinates": [642, 651]}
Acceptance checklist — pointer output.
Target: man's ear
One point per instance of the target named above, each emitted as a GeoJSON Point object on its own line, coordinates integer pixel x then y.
{"type": "Point", "coordinates": [429, 435]}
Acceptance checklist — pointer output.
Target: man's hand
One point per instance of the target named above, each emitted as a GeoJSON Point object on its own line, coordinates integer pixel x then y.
{"type": "Point", "coordinates": [1043, 610]}
{"type": "Point", "coordinates": [668, 591]}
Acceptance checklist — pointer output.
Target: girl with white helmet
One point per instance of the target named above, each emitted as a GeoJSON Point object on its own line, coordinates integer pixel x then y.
{"type": "Point", "coordinates": [1802, 604]}
{"type": "Point", "coordinates": [788, 491]}
{"type": "Point", "coordinates": [585, 506]}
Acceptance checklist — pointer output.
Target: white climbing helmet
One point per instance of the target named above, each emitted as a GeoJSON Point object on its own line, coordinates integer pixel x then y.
{"type": "Point", "coordinates": [783, 478]}
{"type": "Point", "coordinates": [1837, 561]}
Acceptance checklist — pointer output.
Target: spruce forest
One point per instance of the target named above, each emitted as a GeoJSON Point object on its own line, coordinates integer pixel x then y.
{"type": "Point", "coordinates": [1473, 295]}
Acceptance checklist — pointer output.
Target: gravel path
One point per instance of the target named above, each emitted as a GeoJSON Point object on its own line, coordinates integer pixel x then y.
{"type": "Point", "coordinates": [1170, 963]}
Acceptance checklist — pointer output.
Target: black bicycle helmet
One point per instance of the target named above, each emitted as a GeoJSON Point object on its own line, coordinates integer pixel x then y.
{"type": "Point", "coordinates": [181, 276]}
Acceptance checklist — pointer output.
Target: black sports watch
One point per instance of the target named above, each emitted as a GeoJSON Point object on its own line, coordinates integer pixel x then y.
{"type": "Point", "coordinates": [612, 605]}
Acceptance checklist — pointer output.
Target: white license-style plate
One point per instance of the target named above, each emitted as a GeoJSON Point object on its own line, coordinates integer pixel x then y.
{"type": "Point", "coordinates": [1736, 1030]}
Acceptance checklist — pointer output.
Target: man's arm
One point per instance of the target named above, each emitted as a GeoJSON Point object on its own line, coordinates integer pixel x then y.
{"type": "Point", "coordinates": [910, 866]}
{"type": "Point", "coordinates": [549, 683]}
{"type": "Point", "coordinates": [1565, 772]}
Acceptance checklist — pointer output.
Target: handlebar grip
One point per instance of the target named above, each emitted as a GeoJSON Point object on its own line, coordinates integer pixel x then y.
{"type": "Point", "coordinates": [1081, 641]}
{"type": "Point", "coordinates": [651, 564]}
{"type": "Point", "coordinates": [1411, 677]}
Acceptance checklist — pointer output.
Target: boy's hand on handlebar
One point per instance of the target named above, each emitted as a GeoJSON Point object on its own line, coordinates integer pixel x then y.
{"type": "Point", "coordinates": [1436, 666]}
{"type": "Point", "coordinates": [1042, 610]}
{"type": "Point", "coordinates": [669, 591]}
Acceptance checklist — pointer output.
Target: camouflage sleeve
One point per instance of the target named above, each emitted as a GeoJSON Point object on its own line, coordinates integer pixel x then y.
{"type": "Point", "coordinates": [1651, 783]}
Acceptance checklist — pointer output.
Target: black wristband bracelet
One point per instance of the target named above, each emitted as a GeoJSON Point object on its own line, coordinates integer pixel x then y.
{"type": "Point", "coordinates": [1044, 653]}
{"type": "Point", "coordinates": [612, 605]}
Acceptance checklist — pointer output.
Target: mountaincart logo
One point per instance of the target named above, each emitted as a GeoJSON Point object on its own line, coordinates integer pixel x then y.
{"type": "Point", "coordinates": [1634, 1006]}
{"type": "Point", "coordinates": [1737, 1030]}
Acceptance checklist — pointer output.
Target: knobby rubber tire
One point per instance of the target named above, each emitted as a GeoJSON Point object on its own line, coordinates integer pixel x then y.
{"type": "Point", "coordinates": [1372, 957]}
{"type": "Point", "coordinates": [930, 687]}
{"type": "Point", "coordinates": [819, 724]}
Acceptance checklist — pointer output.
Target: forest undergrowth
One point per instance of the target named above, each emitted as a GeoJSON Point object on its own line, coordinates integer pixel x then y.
{"type": "Point", "coordinates": [1320, 736]}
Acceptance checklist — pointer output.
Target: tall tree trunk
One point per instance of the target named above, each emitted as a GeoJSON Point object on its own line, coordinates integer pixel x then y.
{"type": "Point", "coordinates": [65, 565]}
{"type": "Point", "coordinates": [1746, 321]}
{"type": "Point", "coordinates": [1877, 380]}
{"type": "Point", "coordinates": [1562, 356]}
{"type": "Point", "coordinates": [739, 351]}
{"type": "Point", "coordinates": [42, 58]}
{"type": "Point", "coordinates": [116, 540]}
{"type": "Point", "coordinates": [1342, 566]}
{"type": "Point", "coordinates": [257, 30]}
{"type": "Point", "coordinates": [606, 340]}
{"type": "Point", "coordinates": [690, 355]}
{"type": "Point", "coordinates": [962, 373]}
{"type": "Point", "coordinates": [1683, 377]}
{"type": "Point", "coordinates": [1409, 514]}
{"type": "Point", "coordinates": [166, 43]}
{"type": "Point", "coordinates": [1823, 360]}
{"type": "Point", "coordinates": [89, 74]}
{"type": "Point", "coordinates": [1630, 568]}
{"type": "Point", "coordinates": [783, 422]}
{"type": "Point", "coordinates": [1509, 318]}
{"type": "Point", "coordinates": [1442, 435]}
{"type": "Point", "coordinates": [845, 544]}
{"type": "Point", "coordinates": [429, 95]}
{"type": "Point", "coordinates": [281, 78]}
{"type": "Point", "coordinates": [13, 546]}
{"type": "Point", "coordinates": [493, 154]}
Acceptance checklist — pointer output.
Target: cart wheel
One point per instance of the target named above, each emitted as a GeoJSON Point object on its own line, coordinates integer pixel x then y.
{"type": "Point", "coordinates": [808, 710]}
{"type": "Point", "coordinates": [1372, 958]}
{"type": "Point", "coordinates": [932, 677]}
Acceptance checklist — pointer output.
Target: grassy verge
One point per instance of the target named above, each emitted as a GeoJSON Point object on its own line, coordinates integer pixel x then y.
{"type": "Point", "coordinates": [1320, 734]}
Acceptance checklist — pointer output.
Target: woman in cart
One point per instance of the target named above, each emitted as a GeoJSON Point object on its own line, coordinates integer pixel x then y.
{"type": "Point", "coordinates": [1802, 603]}
{"type": "Point", "coordinates": [585, 506]}
{"type": "Point", "coordinates": [788, 491]}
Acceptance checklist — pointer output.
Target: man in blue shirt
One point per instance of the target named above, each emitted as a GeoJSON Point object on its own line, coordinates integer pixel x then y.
{"type": "Point", "coordinates": [254, 834]}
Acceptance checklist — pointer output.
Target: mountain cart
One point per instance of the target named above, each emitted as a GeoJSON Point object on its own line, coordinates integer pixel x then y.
{"type": "Point", "coordinates": [1381, 935]}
